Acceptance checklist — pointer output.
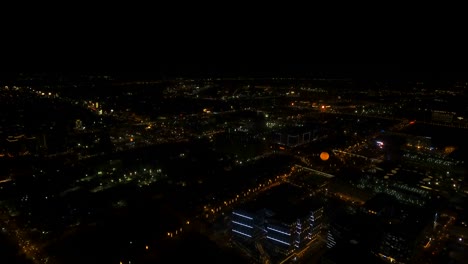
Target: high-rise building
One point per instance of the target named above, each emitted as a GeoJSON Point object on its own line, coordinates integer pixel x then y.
{"type": "Point", "coordinates": [395, 245]}
{"type": "Point", "coordinates": [291, 234]}
{"type": "Point", "coordinates": [281, 219]}
{"type": "Point", "coordinates": [402, 227]}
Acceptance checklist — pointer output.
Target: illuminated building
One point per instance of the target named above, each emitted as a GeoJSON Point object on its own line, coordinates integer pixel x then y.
{"type": "Point", "coordinates": [402, 227]}
{"type": "Point", "coordinates": [396, 246]}
{"type": "Point", "coordinates": [20, 145]}
{"type": "Point", "coordinates": [419, 143]}
{"type": "Point", "coordinates": [293, 140]}
{"type": "Point", "coordinates": [442, 116]}
{"type": "Point", "coordinates": [78, 124]}
{"type": "Point", "coordinates": [330, 240]}
{"type": "Point", "coordinates": [295, 136]}
{"type": "Point", "coordinates": [281, 219]}
{"type": "Point", "coordinates": [293, 232]}
{"type": "Point", "coordinates": [242, 224]}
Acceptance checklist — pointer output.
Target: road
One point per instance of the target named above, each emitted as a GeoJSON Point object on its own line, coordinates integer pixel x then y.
{"type": "Point", "coordinates": [21, 237]}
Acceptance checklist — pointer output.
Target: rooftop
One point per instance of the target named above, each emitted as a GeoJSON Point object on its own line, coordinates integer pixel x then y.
{"type": "Point", "coordinates": [286, 201]}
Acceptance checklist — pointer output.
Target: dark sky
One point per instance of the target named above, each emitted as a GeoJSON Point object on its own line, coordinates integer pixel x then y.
{"type": "Point", "coordinates": [396, 72]}
{"type": "Point", "coordinates": [304, 69]}
{"type": "Point", "coordinates": [399, 72]}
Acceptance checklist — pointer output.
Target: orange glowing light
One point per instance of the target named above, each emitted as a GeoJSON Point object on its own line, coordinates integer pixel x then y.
{"type": "Point", "coordinates": [324, 156]}
{"type": "Point", "coordinates": [323, 106]}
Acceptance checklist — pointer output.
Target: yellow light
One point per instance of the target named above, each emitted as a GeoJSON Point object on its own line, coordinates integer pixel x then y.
{"type": "Point", "coordinates": [147, 247]}
{"type": "Point", "coordinates": [324, 156]}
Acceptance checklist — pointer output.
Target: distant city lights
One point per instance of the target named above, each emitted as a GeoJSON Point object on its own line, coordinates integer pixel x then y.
{"type": "Point", "coordinates": [380, 144]}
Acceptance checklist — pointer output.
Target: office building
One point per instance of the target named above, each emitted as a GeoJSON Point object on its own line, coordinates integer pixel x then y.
{"type": "Point", "coordinates": [284, 220]}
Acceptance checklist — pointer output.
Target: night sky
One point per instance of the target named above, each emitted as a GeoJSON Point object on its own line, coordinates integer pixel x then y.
{"type": "Point", "coordinates": [401, 72]}
{"type": "Point", "coordinates": [306, 70]}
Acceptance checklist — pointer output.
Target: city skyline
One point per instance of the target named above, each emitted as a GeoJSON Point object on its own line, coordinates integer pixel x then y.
{"type": "Point", "coordinates": [372, 72]}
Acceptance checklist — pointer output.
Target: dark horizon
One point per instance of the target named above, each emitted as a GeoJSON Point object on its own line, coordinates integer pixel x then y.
{"type": "Point", "coordinates": [369, 72]}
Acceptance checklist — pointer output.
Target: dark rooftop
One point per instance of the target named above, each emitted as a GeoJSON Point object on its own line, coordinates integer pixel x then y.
{"type": "Point", "coordinates": [401, 218]}
{"type": "Point", "coordinates": [286, 201]}
{"type": "Point", "coordinates": [346, 253]}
